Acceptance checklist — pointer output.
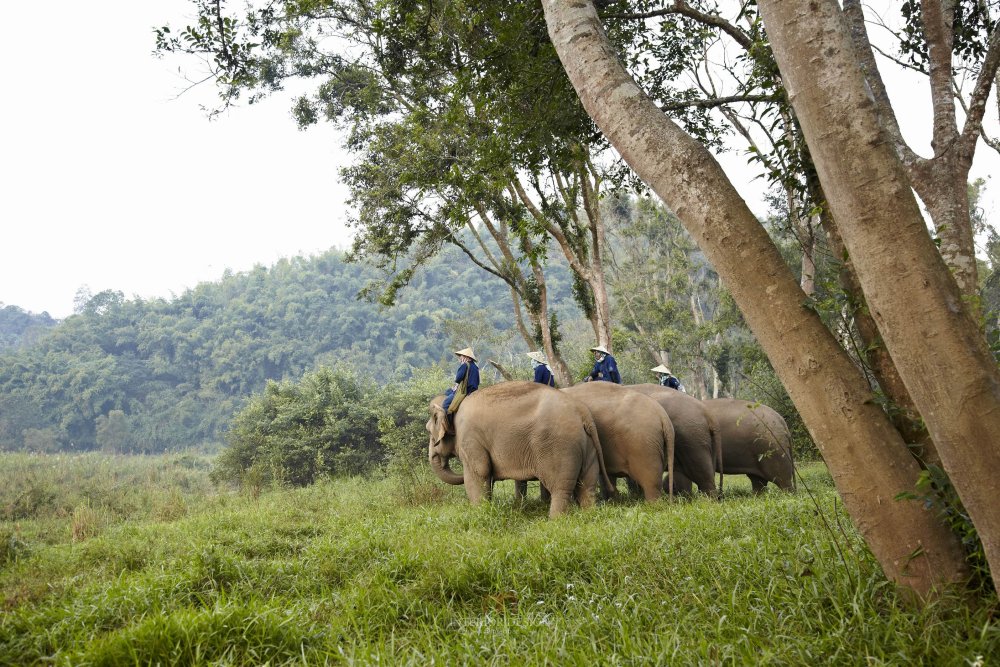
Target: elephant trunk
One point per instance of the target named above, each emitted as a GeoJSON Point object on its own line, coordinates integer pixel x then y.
{"type": "Point", "coordinates": [441, 468]}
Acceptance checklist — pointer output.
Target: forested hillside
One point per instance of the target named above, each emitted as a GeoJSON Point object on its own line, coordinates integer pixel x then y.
{"type": "Point", "coordinates": [172, 372]}
{"type": "Point", "coordinates": [18, 327]}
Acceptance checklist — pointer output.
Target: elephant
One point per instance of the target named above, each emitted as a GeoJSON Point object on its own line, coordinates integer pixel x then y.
{"type": "Point", "coordinates": [636, 435]}
{"type": "Point", "coordinates": [697, 442]}
{"type": "Point", "coordinates": [755, 442]}
{"type": "Point", "coordinates": [519, 430]}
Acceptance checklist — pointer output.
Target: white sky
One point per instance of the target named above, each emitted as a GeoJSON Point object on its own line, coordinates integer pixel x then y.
{"type": "Point", "coordinates": [109, 179]}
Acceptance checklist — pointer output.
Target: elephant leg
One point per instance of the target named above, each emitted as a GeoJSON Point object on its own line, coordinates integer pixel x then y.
{"type": "Point", "coordinates": [682, 483]}
{"type": "Point", "coordinates": [758, 483]}
{"type": "Point", "coordinates": [520, 490]}
{"type": "Point", "coordinates": [585, 496]}
{"type": "Point", "coordinates": [478, 475]}
{"type": "Point", "coordinates": [546, 495]}
{"type": "Point", "coordinates": [586, 486]}
{"type": "Point", "coordinates": [560, 502]}
{"type": "Point", "coordinates": [634, 487]}
{"type": "Point", "coordinates": [649, 482]}
{"type": "Point", "coordinates": [699, 467]}
{"type": "Point", "coordinates": [476, 488]}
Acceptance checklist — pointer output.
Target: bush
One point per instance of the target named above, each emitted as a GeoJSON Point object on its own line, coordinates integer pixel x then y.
{"type": "Point", "coordinates": [402, 414]}
{"type": "Point", "coordinates": [295, 432]}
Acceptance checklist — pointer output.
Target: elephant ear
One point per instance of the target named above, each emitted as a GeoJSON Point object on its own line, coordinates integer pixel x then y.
{"type": "Point", "coordinates": [439, 423]}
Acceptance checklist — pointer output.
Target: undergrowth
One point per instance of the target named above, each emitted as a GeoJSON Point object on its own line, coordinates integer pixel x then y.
{"type": "Point", "coordinates": [405, 571]}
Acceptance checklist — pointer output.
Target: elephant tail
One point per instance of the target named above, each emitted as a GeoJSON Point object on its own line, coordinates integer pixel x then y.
{"type": "Point", "coordinates": [713, 428]}
{"type": "Point", "coordinates": [591, 428]}
{"type": "Point", "coordinates": [668, 447]}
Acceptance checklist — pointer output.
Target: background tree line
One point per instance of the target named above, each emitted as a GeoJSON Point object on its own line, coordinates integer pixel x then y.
{"type": "Point", "coordinates": [133, 375]}
{"type": "Point", "coordinates": [155, 375]}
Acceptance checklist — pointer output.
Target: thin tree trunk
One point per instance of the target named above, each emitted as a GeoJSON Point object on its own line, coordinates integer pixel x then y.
{"type": "Point", "coordinates": [867, 458]}
{"type": "Point", "coordinates": [905, 418]}
{"type": "Point", "coordinates": [941, 181]}
{"type": "Point", "coordinates": [698, 367]}
{"type": "Point", "coordinates": [935, 344]}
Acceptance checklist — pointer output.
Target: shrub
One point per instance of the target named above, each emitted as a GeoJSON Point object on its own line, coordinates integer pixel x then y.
{"type": "Point", "coordinates": [295, 432]}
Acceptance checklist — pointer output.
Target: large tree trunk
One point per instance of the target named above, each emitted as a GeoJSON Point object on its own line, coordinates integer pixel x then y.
{"type": "Point", "coordinates": [935, 344]}
{"type": "Point", "coordinates": [867, 458]}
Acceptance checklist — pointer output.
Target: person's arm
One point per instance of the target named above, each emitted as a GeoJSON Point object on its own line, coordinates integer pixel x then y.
{"type": "Point", "coordinates": [540, 374]}
{"type": "Point", "coordinates": [473, 383]}
{"type": "Point", "coordinates": [460, 374]}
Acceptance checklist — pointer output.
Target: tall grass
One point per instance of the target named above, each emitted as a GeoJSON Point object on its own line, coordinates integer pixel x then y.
{"type": "Point", "coordinates": [360, 572]}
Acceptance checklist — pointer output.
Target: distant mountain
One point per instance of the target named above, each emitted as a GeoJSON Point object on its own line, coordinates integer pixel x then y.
{"type": "Point", "coordinates": [19, 327]}
{"type": "Point", "coordinates": [174, 371]}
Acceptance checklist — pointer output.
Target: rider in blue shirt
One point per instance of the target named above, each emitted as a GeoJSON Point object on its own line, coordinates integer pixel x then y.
{"type": "Point", "coordinates": [666, 378]}
{"type": "Point", "coordinates": [468, 368]}
{"type": "Point", "coordinates": [543, 374]}
{"type": "Point", "coordinates": [605, 368]}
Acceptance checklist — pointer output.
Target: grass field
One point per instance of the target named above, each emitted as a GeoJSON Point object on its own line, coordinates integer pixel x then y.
{"type": "Point", "coordinates": [141, 561]}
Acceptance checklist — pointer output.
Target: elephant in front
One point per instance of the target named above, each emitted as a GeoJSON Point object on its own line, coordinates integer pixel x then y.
{"type": "Point", "coordinates": [696, 437]}
{"type": "Point", "coordinates": [636, 435]}
{"type": "Point", "coordinates": [520, 431]}
{"type": "Point", "coordinates": [755, 442]}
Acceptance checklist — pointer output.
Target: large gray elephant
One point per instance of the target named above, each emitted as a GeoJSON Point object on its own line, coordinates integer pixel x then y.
{"type": "Point", "coordinates": [636, 435]}
{"type": "Point", "coordinates": [755, 442]}
{"type": "Point", "coordinates": [520, 431]}
{"type": "Point", "coordinates": [697, 442]}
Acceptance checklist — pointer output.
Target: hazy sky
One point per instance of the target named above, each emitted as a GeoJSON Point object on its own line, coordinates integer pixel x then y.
{"type": "Point", "coordinates": [110, 178]}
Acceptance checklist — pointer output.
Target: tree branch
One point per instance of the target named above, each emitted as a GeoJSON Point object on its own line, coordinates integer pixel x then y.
{"type": "Point", "coordinates": [716, 102]}
{"type": "Point", "coordinates": [976, 108]}
{"type": "Point", "coordinates": [681, 7]}
{"type": "Point", "coordinates": [866, 57]}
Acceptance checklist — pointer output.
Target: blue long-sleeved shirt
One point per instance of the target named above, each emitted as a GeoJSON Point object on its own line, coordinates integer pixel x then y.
{"type": "Point", "coordinates": [473, 370]}
{"type": "Point", "coordinates": [670, 381]}
{"type": "Point", "coordinates": [606, 369]}
{"type": "Point", "coordinates": [544, 376]}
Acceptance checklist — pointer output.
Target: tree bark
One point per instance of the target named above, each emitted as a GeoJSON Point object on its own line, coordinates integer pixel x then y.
{"type": "Point", "coordinates": [915, 302]}
{"type": "Point", "coordinates": [941, 180]}
{"type": "Point", "coordinates": [867, 458]}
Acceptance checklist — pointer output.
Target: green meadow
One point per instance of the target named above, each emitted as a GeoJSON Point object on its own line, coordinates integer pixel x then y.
{"type": "Point", "coordinates": [113, 560]}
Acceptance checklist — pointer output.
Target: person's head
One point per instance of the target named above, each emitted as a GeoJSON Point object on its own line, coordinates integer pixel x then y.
{"type": "Point", "coordinates": [661, 371]}
{"type": "Point", "coordinates": [537, 359]}
{"type": "Point", "coordinates": [466, 355]}
{"type": "Point", "coordinates": [599, 352]}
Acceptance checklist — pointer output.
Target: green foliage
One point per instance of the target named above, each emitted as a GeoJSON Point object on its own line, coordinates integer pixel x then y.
{"type": "Point", "coordinates": [294, 433]}
{"type": "Point", "coordinates": [402, 410]}
{"type": "Point", "coordinates": [152, 376]}
{"type": "Point", "coordinates": [935, 490]}
{"type": "Point", "coordinates": [19, 328]}
{"type": "Point", "coordinates": [344, 571]}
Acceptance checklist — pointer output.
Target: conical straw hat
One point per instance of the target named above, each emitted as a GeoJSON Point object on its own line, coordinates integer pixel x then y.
{"type": "Point", "coordinates": [538, 356]}
{"type": "Point", "coordinates": [599, 348]}
{"type": "Point", "coordinates": [467, 352]}
{"type": "Point", "coordinates": [661, 369]}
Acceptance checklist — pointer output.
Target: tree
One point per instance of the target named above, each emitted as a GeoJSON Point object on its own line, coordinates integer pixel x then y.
{"type": "Point", "coordinates": [954, 382]}
{"type": "Point", "coordinates": [112, 431]}
{"type": "Point", "coordinates": [867, 457]}
{"type": "Point", "coordinates": [465, 127]}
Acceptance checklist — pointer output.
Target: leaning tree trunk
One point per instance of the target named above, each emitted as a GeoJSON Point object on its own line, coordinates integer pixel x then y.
{"type": "Point", "coordinates": [935, 344]}
{"type": "Point", "coordinates": [867, 458]}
